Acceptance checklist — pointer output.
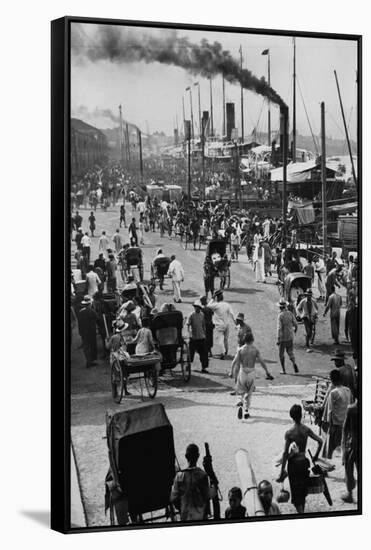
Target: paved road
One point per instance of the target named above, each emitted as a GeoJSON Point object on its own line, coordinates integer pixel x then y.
{"type": "Point", "coordinates": [203, 410]}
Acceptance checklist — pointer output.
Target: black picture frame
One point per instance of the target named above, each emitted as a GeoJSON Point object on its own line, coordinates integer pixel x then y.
{"type": "Point", "coordinates": [60, 287]}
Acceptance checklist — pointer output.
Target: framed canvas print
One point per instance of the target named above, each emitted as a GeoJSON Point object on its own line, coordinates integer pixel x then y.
{"type": "Point", "coordinates": [206, 184]}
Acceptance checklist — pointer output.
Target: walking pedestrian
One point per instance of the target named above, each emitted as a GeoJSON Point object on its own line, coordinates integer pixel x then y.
{"type": "Point", "coordinates": [350, 450]}
{"type": "Point", "coordinates": [86, 244]}
{"type": "Point", "coordinates": [92, 281]}
{"type": "Point", "coordinates": [286, 327]}
{"type": "Point", "coordinates": [243, 371]}
{"type": "Point", "coordinates": [351, 325]}
{"type": "Point", "coordinates": [267, 258]}
{"type": "Point", "coordinates": [77, 220]}
{"type": "Point", "coordinates": [122, 215]}
{"type": "Point", "coordinates": [111, 270]}
{"type": "Point", "coordinates": [209, 325]}
{"type": "Point", "coordinates": [307, 309]}
{"type": "Point", "coordinates": [176, 273]}
{"type": "Point", "coordinates": [133, 232]}
{"type": "Point", "coordinates": [87, 321]}
{"type": "Point", "coordinates": [92, 224]}
{"type": "Point", "coordinates": [243, 329]}
{"type": "Point", "coordinates": [190, 491]}
{"type": "Point", "coordinates": [334, 413]}
{"type": "Point", "coordinates": [197, 335]}
{"type": "Point", "coordinates": [320, 269]}
{"type": "Point", "coordinates": [296, 439]}
{"type": "Point", "coordinates": [259, 265]}
{"type": "Point", "coordinates": [223, 313]}
{"type": "Point", "coordinates": [103, 244]}
{"type": "Point", "coordinates": [141, 228]}
{"type": "Point", "coordinates": [334, 304]}
{"type": "Point", "coordinates": [332, 281]}
{"type": "Point", "coordinates": [348, 375]}
{"type": "Point", "coordinates": [117, 241]}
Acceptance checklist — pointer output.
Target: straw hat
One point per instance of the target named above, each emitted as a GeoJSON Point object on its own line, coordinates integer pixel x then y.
{"type": "Point", "coordinates": [282, 303]}
{"type": "Point", "coordinates": [86, 301]}
{"type": "Point", "coordinates": [197, 303]}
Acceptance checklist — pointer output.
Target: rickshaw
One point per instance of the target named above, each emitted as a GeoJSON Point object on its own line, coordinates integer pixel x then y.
{"type": "Point", "coordinates": [294, 287]}
{"type": "Point", "coordinates": [159, 269]}
{"type": "Point", "coordinates": [167, 330]}
{"type": "Point", "coordinates": [134, 262]}
{"type": "Point", "coordinates": [133, 367]}
{"type": "Point", "coordinates": [141, 465]}
{"type": "Point", "coordinates": [217, 250]}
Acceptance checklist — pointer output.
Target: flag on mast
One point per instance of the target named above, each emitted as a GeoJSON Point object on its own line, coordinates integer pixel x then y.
{"type": "Point", "coordinates": [265, 52]}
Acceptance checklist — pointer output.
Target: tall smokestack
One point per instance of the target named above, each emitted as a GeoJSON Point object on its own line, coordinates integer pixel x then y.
{"type": "Point", "coordinates": [230, 119]}
{"type": "Point", "coordinates": [205, 123]}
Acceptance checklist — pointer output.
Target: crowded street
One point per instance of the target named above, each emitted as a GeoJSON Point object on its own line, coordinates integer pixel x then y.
{"type": "Point", "coordinates": [203, 409]}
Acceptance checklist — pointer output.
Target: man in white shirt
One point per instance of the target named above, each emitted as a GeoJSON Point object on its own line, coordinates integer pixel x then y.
{"type": "Point", "coordinates": [223, 313]}
{"type": "Point", "coordinates": [176, 272]}
{"type": "Point", "coordinates": [86, 244]}
{"type": "Point", "coordinates": [103, 244]}
{"type": "Point", "coordinates": [92, 281]}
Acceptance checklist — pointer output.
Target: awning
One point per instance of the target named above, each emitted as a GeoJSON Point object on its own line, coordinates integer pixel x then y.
{"type": "Point", "coordinates": [298, 172]}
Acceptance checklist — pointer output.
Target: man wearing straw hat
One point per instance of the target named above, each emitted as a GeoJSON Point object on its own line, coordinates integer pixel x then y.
{"type": "Point", "coordinates": [307, 309]}
{"type": "Point", "coordinates": [286, 327]}
{"type": "Point", "coordinates": [88, 320]}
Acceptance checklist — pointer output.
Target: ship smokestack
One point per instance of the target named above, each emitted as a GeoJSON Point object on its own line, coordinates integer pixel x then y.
{"type": "Point", "coordinates": [230, 120]}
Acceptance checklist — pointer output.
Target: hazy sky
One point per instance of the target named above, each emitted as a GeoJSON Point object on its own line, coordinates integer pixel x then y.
{"type": "Point", "coordinates": [153, 92]}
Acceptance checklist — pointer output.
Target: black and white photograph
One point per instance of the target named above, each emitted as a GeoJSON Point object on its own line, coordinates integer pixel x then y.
{"type": "Point", "coordinates": [213, 274]}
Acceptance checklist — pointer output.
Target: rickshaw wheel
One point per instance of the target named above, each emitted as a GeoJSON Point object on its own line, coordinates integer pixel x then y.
{"type": "Point", "coordinates": [150, 379]}
{"type": "Point", "coordinates": [228, 278]}
{"type": "Point", "coordinates": [185, 363]}
{"type": "Point", "coordinates": [117, 381]}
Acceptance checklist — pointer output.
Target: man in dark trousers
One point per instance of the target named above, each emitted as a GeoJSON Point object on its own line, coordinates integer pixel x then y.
{"type": "Point", "coordinates": [350, 449]}
{"type": "Point", "coordinates": [88, 320]}
{"type": "Point", "coordinates": [209, 325]}
{"type": "Point", "coordinates": [133, 232]}
{"type": "Point", "coordinates": [197, 333]}
{"type": "Point", "coordinates": [308, 311]}
{"type": "Point", "coordinates": [77, 220]}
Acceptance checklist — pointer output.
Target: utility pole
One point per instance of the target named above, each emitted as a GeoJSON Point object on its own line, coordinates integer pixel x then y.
{"type": "Point", "coordinates": [294, 105]}
{"type": "Point", "coordinates": [269, 102]}
{"type": "Point", "coordinates": [121, 138]}
{"type": "Point", "coordinates": [211, 109]}
{"type": "Point", "coordinates": [140, 155]}
{"type": "Point", "coordinates": [242, 120]}
{"type": "Point", "coordinates": [284, 114]}
{"type": "Point", "coordinates": [199, 108]}
{"type": "Point", "coordinates": [187, 132]}
{"type": "Point", "coordinates": [323, 177]}
{"type": "Point", "coordinates": [346, 132]}
{"type": "Point", "coordinates": [223, 83]}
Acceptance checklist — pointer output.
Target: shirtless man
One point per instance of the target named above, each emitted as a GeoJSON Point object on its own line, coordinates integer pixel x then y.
{"type": "Point", "coordinates": [243, 371]}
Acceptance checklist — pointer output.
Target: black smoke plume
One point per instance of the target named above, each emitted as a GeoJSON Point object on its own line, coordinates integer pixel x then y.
{"type": "Point", "coordinates": [123, 44]}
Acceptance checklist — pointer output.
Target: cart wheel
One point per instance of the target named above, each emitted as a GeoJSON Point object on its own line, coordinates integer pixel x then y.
{"type": "Point", "coordinates": [150, 378]}
{"type": "Point", "coordinates": [228, 278]}
{"type": "Point", "coordinates": [117, 381]}
{"type": "Point", "coordinates": [185, 363]}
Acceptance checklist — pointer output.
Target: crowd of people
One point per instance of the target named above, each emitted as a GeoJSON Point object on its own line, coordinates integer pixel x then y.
{"type": "Point", "coordinates": [209, 325]}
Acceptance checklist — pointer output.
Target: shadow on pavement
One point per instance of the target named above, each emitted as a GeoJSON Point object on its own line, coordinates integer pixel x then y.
{"type": "Point", "coordinates": [244, 290]}
{"type": "Point", "coordinates": [265, 419]}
